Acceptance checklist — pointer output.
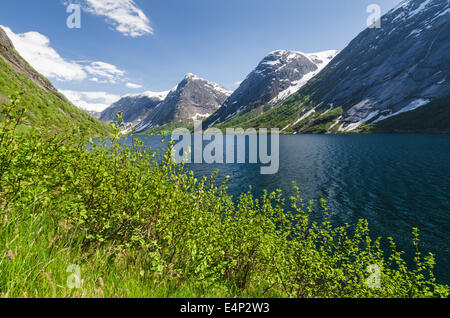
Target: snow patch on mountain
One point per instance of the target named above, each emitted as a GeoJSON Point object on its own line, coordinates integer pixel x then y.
{"type": "Point", "coordinates": [412, 106]}
{"type": "Point", "coordinates": [194, 98]}
{"type": "Point", "coordinates": [421, 8]}
{"type": "Point", "coordinates": [200, 116]}
{"type": "Point", "coordinates": [153, 95]}
{"type": "Point", "coordinates": [306, 115]}
{"type": "Point", "coordinates": [212, 85]}
{"type": "Point", "coordinates": [320, 59]}
{"type": "Point", "coordinates": [353, 126]}
{"type": "Point", "coordinates": [379, 71]}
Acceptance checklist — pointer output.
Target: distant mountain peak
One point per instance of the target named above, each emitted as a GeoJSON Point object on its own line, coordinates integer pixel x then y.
{"type": "Point", "coordinates": [382, 74]}
{"type": "Point", "coordinates": [279, 74]}
{"type": "Point", "coordinates": [414, 6]}
{"type": "Point", "coordinates": [383, 71]}
{"type": "Point", "coordinates": [150, 94]}
{"type": "Point", "coordinates": [192, 76]}
{"type": "Point", "coordinates": [193, 98]}
{"type": "Point", "coordinates": [327, 55]}
{"type": "Point", "coordinates": [289, 55]}
{"type": "Point", "coordinates": [135, 107]}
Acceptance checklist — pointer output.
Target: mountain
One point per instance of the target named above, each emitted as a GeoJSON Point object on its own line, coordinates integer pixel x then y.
{"type": "Point", "coordinates": [45, 106]}
{"type": "Point", "coordinates": [193, 98]}
{"type": "Point", "coordinates": [93, 113]}
{"type": "Point", "coordinates": [135, 107]}
{"type": "Point", "coordinates": [278, 75]}
{"type": "Point", "coordinates": [382, 74]}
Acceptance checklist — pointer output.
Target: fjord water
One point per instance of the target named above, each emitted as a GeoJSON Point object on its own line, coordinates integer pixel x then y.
{"type": "Point", "coordinates": [396, 182]}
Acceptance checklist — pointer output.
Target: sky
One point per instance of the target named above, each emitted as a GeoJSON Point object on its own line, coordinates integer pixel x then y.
{"type": "Point", "coordinates": [128, 47]}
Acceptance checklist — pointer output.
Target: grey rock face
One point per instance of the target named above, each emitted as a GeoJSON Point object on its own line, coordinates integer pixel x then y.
{"type": "Point", "coordinates": [193, 98]}
{"type": "Point", "coordinates": [135, 107]}
{"type": "Point", "coordinates": [400, 66]}
{"type": "Point", "coordinates": [4, 40]}
{"type": "Point", "coordinates": [277, 76]}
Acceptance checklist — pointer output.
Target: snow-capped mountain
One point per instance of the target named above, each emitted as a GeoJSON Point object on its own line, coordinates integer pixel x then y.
{"type": "Point", "coordinates": [390, 70]}
{"type": "Point", "coordinates": [320, 59]}
{"type": "Point", "coordinates": [135, 107]}
{"type": "Point", "coordinates": [278, 75]}
{"type": "Point", "coordinates": [193, 98]}
{"type": "Point", "coordinates": [385, 73]}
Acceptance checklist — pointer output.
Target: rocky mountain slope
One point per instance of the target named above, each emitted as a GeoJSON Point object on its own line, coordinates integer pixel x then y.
{"type": "Point", "coordinates": [135, 107]}
{"type": "Point", "coordinates": [18, 64]}
{"type": "Point", "coordinates": [45, 106]}
{"type": "Point", "coordinates": [278, 75]}
{"type": "Point", "coordinates": [382, 73]}
{"type": "Point", "coordinates": [193, 98]}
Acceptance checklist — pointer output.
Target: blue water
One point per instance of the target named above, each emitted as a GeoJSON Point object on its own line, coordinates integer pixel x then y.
{"type": "Point", "coordinates": [396, 182]}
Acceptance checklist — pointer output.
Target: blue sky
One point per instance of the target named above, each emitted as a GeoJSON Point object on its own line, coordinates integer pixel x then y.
{"type": "Point", "coordinates": [126, 46]}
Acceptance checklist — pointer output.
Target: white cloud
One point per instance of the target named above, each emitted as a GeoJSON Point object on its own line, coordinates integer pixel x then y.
{"type": "Point", "coordinates": [124, 15]}
{"type": "Point", "coordinates": [91, 101]}
{"type": "Point", "coordinates": [132, 85]}
{"type": "Point", "coordinates": [35, 49]}
{"type": "Point", "coordinates": [104, 70]}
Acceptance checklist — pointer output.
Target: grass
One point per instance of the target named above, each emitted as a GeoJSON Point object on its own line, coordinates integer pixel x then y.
{"type": "Point", "coordinates": [45, 109]}
{"type": "Point", "coordinates": [41, 256]}
{"type": "Point", "coordinates": [432, 118]}
{"type": "Point", "coordinates": [279, 116]}
{"type": "Point", "coordinates": [116, 221]}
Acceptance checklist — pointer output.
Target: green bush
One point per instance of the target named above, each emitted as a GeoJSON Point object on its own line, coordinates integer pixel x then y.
{"type": "Point", "coordinates": [140, 225]}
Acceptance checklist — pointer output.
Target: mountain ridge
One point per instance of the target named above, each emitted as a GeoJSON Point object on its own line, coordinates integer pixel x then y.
{"type": "Point", "coordinates": [15, 61]}
{"type": "Point", "coordinates": [277, 76]}
{"type": "Point", "coordinates": [45, 106]}
{"type": "Point", "coordinates": [192, 98]}
{"type": "Point", "coordinates": [382, 73]}
{"type": "Point", "coordinates": [135, 107]}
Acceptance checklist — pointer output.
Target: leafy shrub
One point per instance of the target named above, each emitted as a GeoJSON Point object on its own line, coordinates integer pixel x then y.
{"type": "Point", "coordinates": [107, 200]}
